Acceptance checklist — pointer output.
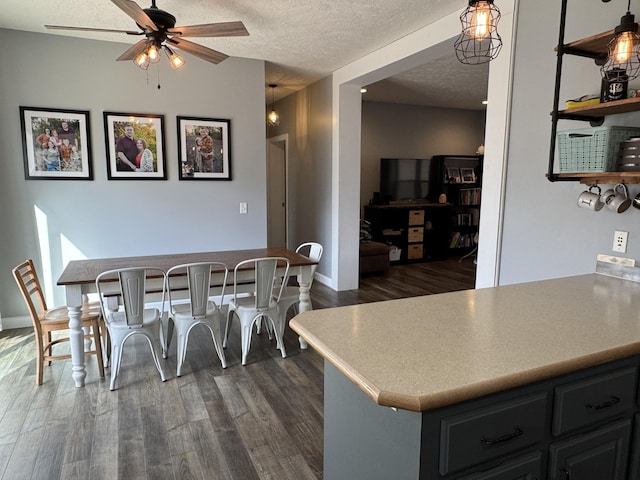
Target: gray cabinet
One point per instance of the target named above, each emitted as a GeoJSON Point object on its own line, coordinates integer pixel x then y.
{"type": "Point", "coordinates": [598, 455]}
{"type": "Point", "coordinates": [480, 435]}
{"type": "Point", "coordinates": [583, 425]}
{"type": "Point", "coordinates": [528, 467]}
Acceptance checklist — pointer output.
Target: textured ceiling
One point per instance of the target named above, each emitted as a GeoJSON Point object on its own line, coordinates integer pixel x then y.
{"type": "Point", "coordinates": [301, 41]}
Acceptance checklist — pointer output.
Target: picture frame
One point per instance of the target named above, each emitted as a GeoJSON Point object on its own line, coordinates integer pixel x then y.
{"type": "Point", "coordinates": [453, 175]}
{"type": "Point", "coordinates": [135, 146]}
{"type": "Point", "coordinates": [204, 148]}
{"type": "Point", "coordinates": [468, 175]}
{"type": "Point", "coordinates": [56, 144]}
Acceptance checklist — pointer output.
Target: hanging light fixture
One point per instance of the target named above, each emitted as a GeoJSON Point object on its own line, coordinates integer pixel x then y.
{"type": "Point", "coordinates": [151, 54]}
{"type": "Point", "coordinates": [273, 119]}
{"type": "Point", "coordinates": [623, 59]}
{"type": "Point", "coordinates": [479, 41]}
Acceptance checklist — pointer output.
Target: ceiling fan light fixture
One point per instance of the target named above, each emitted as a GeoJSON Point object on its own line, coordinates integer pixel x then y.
{"type": "Point", "coordinates": [273, 119]}
{"type": "Point", "coordinates": [175, 60]}
{"type": "Point", "coordinates": [479, 41]}
{"type": "Point", "coordinates": [153, 53]}
{"type": "Point", "coordinates": [623, 51]}
{"type": "Point", "coordinates": [142, 60]}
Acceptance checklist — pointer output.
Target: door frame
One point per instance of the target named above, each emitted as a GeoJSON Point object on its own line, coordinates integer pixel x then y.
{"type": "Point", "coordinates": [283, 140]}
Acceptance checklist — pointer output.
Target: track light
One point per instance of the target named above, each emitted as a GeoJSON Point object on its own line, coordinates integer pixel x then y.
{"type": "Point", "coordinates": [479, 41]}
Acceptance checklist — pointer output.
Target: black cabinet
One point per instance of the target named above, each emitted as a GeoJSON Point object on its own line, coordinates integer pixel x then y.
{"type": "Point", "coordinates": [459, 179]}
{"type": "Point", "coordinates": [419, 230]}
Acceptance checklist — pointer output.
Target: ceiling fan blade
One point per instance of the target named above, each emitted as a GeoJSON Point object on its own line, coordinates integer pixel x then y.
{"type": "Point", "coordinates": [222, 29]}
{"type": "Point", "coordinates": [89, 29]}
{"type": "Point", "coordinates": [132, 9]}
{"type": "Point", "coordinates": [204, 53]}
{"type": "Point", "coordinates": [132, 51]}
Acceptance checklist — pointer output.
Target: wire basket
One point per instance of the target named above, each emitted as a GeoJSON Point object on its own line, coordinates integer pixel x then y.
{"type": "Point", "coordinates": [592, 149]}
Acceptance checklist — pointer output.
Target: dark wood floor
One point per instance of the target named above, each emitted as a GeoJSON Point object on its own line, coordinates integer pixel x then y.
{"type": "Point", "coordinates": [260, 421]}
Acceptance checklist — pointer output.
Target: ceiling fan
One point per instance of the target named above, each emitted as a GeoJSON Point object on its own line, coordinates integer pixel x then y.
{"type": "Point", "coordinates": [160, 33]}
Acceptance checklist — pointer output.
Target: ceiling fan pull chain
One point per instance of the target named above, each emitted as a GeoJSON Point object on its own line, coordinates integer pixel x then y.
{"type": "Point", "coordinates": [158, 68]}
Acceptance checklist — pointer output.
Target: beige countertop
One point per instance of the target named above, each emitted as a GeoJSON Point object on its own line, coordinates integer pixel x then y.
{"type": "Point", "coordinates": [427, 352]}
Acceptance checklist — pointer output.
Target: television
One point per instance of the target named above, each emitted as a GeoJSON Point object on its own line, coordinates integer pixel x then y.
{"type": "Point", "coordinates": [405, 179]}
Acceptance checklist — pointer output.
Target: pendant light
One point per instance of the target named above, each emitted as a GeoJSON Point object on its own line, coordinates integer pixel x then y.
{"type": "Point", "coordinates": [479, 41]}
{"type": "Point", "coordinates": [623, 59]}
{"type": "Point", "coordinates": [273, 119]}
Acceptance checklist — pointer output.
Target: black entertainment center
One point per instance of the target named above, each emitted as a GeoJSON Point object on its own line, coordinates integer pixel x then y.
{"type": "Point", "coordinates": [427, 208]}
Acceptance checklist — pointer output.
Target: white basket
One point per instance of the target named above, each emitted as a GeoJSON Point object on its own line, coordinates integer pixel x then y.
{"type": "Point", "coordinates": [394, 253]}
{"type": "Point", "coordinates": [592, 149]}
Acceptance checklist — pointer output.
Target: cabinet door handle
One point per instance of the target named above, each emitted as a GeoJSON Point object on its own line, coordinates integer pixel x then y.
{"type": "Point", "coordinates": [606, 404]}
{"type": "Point", "coordinates": [517, 431]}
{"type": "Point", "coordinates": [567, 475]}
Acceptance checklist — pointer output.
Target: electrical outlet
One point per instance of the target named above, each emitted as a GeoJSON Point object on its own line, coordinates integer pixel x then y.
{"type": "Point", "coordinates": [620, 241]}
{"type": "Point", "coordinates": [243, 207]}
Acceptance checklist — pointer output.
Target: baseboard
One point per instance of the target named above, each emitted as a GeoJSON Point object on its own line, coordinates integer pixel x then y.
{"type": "Point", "coordinates": [9, 323]}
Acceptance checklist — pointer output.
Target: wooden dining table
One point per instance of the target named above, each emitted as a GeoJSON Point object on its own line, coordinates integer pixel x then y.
{"type": "Point", "coordinates": [79, 278]}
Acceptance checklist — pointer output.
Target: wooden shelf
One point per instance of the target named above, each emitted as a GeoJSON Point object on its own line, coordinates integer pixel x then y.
{"type": "Point", "coordinates": [602, 109]}
{"type": "Point", "coordinates": [594, 47]}
{"type": "Point", "coordinates": [600, 178]}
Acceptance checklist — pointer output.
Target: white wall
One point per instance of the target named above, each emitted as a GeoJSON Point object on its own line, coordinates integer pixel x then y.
{"type": "Point", "coordinates": [545, 234]}
{"type": "Point", "coordinates": [106, 218]}
{"type": "Point", "coordinates": [306, 117]}
{"type": "Point", "coordinates": [411, 131]}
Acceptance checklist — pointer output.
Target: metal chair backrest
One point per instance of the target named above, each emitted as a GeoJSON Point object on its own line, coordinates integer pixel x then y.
{"type": "Point", "coordinates": [314, 253]}
{"type": "Point", "coordinates": [133, 290]}
{"type": "Point", "coordinates": [265, 276]}
{"type": "Point", "coordinates": [199, 284]}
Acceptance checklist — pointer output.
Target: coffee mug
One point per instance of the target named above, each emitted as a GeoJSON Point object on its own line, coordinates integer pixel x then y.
{"type": "Point", "coordinates": [618, 202]}
{"type": "Point", "coordinates": [636, 201]}
{"type": "Point", "coordinates": [590, 200]}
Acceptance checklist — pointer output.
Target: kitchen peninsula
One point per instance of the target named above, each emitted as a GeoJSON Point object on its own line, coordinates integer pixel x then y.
{"type": "Point", "coordinates": [534, 380]}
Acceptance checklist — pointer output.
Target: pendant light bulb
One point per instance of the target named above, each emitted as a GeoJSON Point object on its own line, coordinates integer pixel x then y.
{"type": "Point", "coordinates": [479, 41]}
{"type": "Point", "coordinates": [273, 119]}
{"type": "Point", "coordinates": [481, 21]}
{"type": "Point", "coordinates": [623, 51]}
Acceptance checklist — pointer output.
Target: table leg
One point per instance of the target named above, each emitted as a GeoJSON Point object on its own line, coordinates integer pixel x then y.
{"type": "Point", "coordinates": [304, 282]}
{"type": "Point", "coordinates": [76, 334]}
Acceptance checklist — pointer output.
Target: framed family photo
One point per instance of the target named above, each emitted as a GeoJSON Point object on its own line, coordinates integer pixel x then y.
{"type": "Point", "coordinates": [468, 175]}
{"type": "Point", "coordinates": [135, 146]}
{"type": "Point", "coordinates": [203, 148]}
{"type": "Point", "coordinates": [453, 175]}
{"type": "Point", "coordinates": [55, 144]}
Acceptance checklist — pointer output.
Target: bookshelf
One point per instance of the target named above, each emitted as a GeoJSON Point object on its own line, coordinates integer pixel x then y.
{"type": "Point", "coordinates": [459, 178]}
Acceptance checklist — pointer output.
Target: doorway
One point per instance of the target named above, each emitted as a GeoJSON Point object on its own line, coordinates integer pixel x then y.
{"type": "Point", "coordinates": [277, 235]}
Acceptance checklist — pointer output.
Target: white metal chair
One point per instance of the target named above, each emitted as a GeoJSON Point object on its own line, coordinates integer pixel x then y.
{"type": "Point", "coordinates": [263, 302]}
{"type": "Point", "coordinates": [201, 308]}
{"type": "Point", "coordinates": [135, 318]}
{"type": "Point", "coordinates": [290, 296]}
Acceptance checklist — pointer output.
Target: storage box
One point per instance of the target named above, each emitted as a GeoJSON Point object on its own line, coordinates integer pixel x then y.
{"type": "Point", "coordinates": [416, 217]}
{"type": "Point", "coordinates": [415, 251]}
{"type": "Point", "coordinates": [415, 234]}
{"type": "Point", "coordinates": [592, 149]}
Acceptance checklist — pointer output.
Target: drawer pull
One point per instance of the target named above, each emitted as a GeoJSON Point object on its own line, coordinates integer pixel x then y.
{"type": "Point", "coordinates": [608, 404]}
{"type": "Point", "coordinates": [517, 431]}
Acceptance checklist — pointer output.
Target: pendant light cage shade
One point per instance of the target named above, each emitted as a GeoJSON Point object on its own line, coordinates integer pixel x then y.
{"type": "Point", "coordinates": [273, 119]}
{"type": "Point", "coordinates": [479, 41]}
{"type": "Point", "coordinates": [623, 52]}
